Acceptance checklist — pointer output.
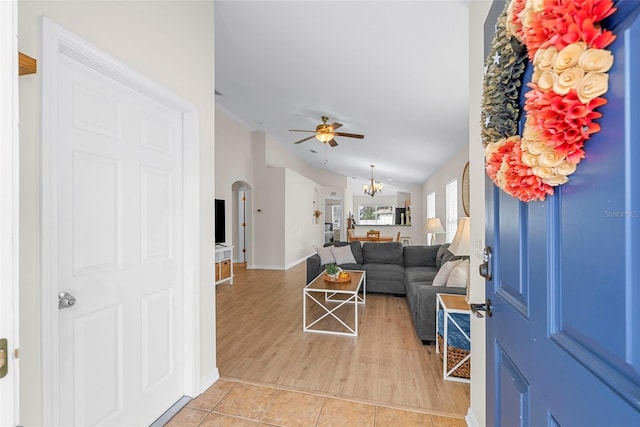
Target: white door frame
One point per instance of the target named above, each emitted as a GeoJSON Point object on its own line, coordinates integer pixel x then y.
{"type": "Point", "coordinates": [56, 43]}
{"type": "Point", "coordinates": [9, 209]}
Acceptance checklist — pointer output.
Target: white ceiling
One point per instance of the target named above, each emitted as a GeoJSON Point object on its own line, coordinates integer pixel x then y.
{"type": "Point", "coordinates": [395, 71]}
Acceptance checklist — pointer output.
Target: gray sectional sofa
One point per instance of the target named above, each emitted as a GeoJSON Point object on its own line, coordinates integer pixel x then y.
{"type": "Point", "coordinates": [402, 271]}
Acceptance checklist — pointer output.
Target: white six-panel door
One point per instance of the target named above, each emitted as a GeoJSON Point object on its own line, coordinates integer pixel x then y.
{"type": "Point", "coordinates": [118, 208]}
{"type": "Point", "coordinates": [119, 250]}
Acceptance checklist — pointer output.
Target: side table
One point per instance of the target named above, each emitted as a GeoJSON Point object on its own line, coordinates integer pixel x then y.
{"type": "Point", "coordinates": [224, 264]}
{"type": "Point", "coordinates": [453, 336]}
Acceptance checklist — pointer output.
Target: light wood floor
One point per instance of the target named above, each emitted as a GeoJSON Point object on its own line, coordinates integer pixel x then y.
{"type": "Point", "coordinates": [260, 339]}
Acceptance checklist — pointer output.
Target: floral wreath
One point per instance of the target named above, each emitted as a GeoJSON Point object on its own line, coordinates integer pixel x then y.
{"type": "Point", "coordinates": [566, 44]}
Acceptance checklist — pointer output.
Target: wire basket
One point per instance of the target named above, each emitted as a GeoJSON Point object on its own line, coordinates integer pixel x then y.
{"type": "Point", "coordinates": [454, 356]}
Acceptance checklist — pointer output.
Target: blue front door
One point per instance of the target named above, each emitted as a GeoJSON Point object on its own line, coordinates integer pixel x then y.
{"type": "Point", "coordinates": [563, 344]}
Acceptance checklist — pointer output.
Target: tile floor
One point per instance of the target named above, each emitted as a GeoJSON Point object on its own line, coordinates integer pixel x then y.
{"type": "Point", "coordinates": [235, 403]}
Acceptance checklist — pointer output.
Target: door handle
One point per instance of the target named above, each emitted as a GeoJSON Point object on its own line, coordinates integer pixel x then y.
{"type": "Point", "coordinates": [65, 300]}
{"type": "Point", "coordinates": [476, 309]}
{"type": "Point", "coordinates": [485, 268]}
{"type": "Point", "coordinates": [4, 356]}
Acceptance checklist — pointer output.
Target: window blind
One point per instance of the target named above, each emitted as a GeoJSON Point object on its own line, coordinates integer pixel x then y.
{"type": "Point", "coordinates": [431, 205]}
{"type": "Point", "coordinates": [452, 209]}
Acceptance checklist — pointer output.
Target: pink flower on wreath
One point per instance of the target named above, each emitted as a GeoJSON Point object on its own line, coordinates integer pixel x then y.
{"type": "Point", "coordinates": [562, 22]}
{"type": "Point", "coordinates": [563, 122]}
{"type": "Point", "coordinates": [505, 168]}
{"type": "Point", "coordinates": [514, 18]}
{"type": "Point", "coordinates": [521, 182]}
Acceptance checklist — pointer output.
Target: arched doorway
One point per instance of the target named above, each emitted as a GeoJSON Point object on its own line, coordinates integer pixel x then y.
{"type": "Point", "coordinates": [241, 222]}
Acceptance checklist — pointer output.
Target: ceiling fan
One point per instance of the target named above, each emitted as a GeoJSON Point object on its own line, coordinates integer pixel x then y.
{"type": "Point", "coordinates": [325, 133]}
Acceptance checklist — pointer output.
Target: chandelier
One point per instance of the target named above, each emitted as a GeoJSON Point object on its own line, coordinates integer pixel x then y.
{"type": "Point", "coordinates": [373, 187]}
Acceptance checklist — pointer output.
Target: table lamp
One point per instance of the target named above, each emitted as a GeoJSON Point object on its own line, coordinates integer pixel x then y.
{"type": "Point", "coordinates": [433, 227]}
{"type": "Point", "coordinates": [460, 244]}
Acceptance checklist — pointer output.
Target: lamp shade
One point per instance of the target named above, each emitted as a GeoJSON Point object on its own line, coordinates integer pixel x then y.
{"type": "Point", "coordinates": [433, 225]}
{"type": "Point", "coordinates": [460, 244]}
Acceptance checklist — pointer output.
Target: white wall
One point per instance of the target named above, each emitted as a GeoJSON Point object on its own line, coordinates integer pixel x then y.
{"type": "Point", "coordinates": [268, 209]}
{"type": "Point", "coordinates": [477, 14]}
{"type": "Point", "coordinates": [437, 183]}
{"type": "Point", "coordinates": [233, 163]}
{"type": "Point", "coordinates": [172, 43]}
{"type": "Point", "coordinates": [299, 222]}
{"type": "Point", "coordinates": [418, 216]}
{"type": "Point", "coordinates": [234, 155]}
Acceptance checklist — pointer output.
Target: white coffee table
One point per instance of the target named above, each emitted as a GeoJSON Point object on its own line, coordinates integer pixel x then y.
{"type": "Point", "coordinates": [330, 297]}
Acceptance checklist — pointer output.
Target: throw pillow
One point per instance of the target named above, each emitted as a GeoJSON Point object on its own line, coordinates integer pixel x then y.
{"type": "Point", "coordinates": [343, 255]}
{"type": "Point", "coordinates": [459, 275]}
{"type": "Point", "coordinates": [440, 254]}
{"type": "Point", "coordinates": [326, 256]}
{"type": "Point", "coordinates": [443, 274]}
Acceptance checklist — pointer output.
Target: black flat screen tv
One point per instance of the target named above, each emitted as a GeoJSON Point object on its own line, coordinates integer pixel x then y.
{"type": "Point", "coordinates": [220, 223]}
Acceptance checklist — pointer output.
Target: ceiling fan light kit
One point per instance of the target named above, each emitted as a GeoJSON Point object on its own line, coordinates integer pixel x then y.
{"type": "Point", "coordinates": [324, 137]}
{"type": "Point", "coordinates": [373, 187]}
{"type": "Point", "coordinates": [326, 132]}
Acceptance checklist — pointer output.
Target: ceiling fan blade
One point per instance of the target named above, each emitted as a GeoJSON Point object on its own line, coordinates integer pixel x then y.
{"type": "Point", "coordinates": [335, 125]}
{"type": "Point", "coordinates": [304, 139]}
{"type": "Point", "coordinates": [332, 142]}
{"type": "Point", "coordinates": [349, 135]}
{"type": "Point", "coordinates": [299, 130]}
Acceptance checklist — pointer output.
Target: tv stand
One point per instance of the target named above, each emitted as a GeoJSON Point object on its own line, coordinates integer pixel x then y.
{"type": "Point", "coordinates": [224, 264]}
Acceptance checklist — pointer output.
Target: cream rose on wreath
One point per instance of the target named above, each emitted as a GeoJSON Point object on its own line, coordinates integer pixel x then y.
{"type": "Point", "coordinates": [565, 168]}
{"type": "Point", "coordinates": [569, 79]}
{"type": "Point", "coordinates": [550, 159]}
{"type": "Point", "coordinates": [528, 158]}
{"type": "Point", "coordinates": [544, 58]}
{"type": "Point", "coordinates": [592, 86]}
{"type": "Point", "coordinates": [596, 60]}
{"type": "Point", "coordinates": [568, 57]}
{"type": "Point", "coordinates": [537, 146]}
{"type": "Point", "coordinates": [547, 79]}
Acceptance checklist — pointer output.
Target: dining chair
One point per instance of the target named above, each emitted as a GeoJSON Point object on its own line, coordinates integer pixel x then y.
{"type": "Point", "coordinates": [373, 236]}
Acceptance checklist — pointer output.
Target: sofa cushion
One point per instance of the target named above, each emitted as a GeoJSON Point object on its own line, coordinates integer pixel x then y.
{"type": "Point", "coordinates": [351, 266]}
{"type": "Point", "coordinates": [385, 272]}
{"type": "Point", "coordinates": [326, 256]}
{"type": "Point", "coordinates": [356, 249]}
{"type": "Point", "coordinates": [386, 278]}
{"type": "Point", "coordinates": [343, 255]}
{"type": "Point", "coordinates": [441, 251]}
{"type": "Point", "coordinates": [459, 275]}
{"type": "Point", "coordinates": [383, 253]}
{"type": "Point", "coordinates": [443, 274]}
{"type": "Point", "coordinates": [415, 256]}
{"type": "Point", "coordinates": [449, 256]}
{"type": "Point", "coordinates": [419, 274]}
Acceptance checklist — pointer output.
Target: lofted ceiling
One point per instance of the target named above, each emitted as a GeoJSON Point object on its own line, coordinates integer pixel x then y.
{"type": "Point", "coordinates": [395, 71]}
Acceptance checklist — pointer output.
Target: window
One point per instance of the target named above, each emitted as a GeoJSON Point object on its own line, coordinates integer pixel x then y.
{"type": "Point", "coordinates": [375, 215]}
{"type": "Point", "coordinates": [336, 215]}
{"type": "Point", "coordinates": [452, 209]}
{"type": "Point", "coordinates": [431, 205]}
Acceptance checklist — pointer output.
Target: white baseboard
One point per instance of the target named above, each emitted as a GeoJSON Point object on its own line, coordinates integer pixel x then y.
{"type": "Point", "coordinates": [266, 267]}
{"type": "Point", "coordinates": [298, 261]}
{"type": "Point", "coordinates": [470, 418]}
{"type": "Point", "coordinates": [209, 380]}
